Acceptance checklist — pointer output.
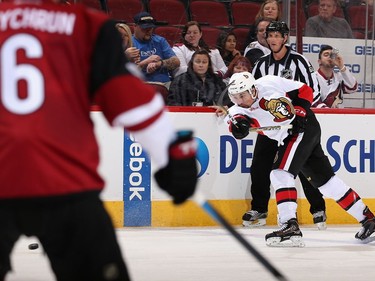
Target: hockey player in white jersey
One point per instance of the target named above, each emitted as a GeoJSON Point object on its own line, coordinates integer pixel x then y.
{"type": "Point", "coordinates": [333, 85]}
{"type": "Point", "coordinates": [273, 100]}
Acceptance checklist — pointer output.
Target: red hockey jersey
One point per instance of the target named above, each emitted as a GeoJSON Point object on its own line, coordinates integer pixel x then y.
{"type": "Point", "coordinates": [55, 61]}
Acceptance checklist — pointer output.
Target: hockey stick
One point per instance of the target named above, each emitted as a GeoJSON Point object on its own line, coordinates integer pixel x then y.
{"type": "Point", "coordinates": [200, 200]}
{"type": "Point", "coordinates": [271, 128]}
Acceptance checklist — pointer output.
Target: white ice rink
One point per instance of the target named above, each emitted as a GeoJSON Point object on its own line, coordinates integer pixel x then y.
{"type": "Point", "coordinates": [212, 254]}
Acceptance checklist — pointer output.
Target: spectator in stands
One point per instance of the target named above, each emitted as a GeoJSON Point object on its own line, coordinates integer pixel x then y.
{"type": "Point", "coordinates": [199, 85]}
{"type": "Point", "coordinates": [238, 64]}
{"type": "Point", "coordinates": [333, 84]}
{"type": "Point", "coordinates": [193, 41]}
{"type": "Point", "coordinates": [258, 48]}
{"type": "Point", "coordinates": [126, 35]}
{"type": "Point", "coordinates": [130, 51]}
{"type": "Point", "coordinates": [325, 24]}
{"type": "Point", "coordinates": [226, 44]}
{"type": "Point", "coordinates": [269, 9]}
{"type": "Point", "coordinates": [157, 57]}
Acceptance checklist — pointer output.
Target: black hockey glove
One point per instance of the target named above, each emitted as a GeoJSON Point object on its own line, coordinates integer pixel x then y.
{"type": "Point", "coordinates": [299, 121]}
{"type": "Point", "coordinates": [179, 177]}
{"type": "Point", "coordinates": [239, 126]}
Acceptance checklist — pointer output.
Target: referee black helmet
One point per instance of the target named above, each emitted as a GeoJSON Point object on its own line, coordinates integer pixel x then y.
{"type": "Point", "coordinates": [277, 26]}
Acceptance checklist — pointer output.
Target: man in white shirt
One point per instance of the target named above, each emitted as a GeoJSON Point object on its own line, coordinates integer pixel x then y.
{"type": "Point", "coordinates": [333, 85]}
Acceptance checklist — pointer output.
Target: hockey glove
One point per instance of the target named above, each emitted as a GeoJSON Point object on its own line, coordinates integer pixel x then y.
{"type": "Point", "coordinates": [239, 125]}
{"type": "Point", "coordinates": [179, 177]}
{"type": "Point", "coordinates": [299, 122]}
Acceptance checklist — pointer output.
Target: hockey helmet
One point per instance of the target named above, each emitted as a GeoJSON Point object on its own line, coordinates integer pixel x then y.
{"type": "Point", "coordinates": [277, 26]}
{"type": "Point", "coordinates": [241, 82]}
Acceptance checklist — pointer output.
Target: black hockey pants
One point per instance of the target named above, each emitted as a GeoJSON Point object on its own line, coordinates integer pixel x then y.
{"type": "Point", "coordinates": [263, 156]}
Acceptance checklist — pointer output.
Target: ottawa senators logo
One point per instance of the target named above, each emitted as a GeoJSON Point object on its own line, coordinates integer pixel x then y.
{"type": "Point", "coordinates": [280, 108]}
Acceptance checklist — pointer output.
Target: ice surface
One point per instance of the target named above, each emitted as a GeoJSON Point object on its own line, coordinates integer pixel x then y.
{"type": "Point", "coordinates": [212, 254]}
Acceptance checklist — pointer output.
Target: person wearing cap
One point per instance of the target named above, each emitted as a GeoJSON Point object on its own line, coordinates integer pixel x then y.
{"type": "Point", "coordinates": [284, 62]}
{"type": "Point", "coordinates": [157, 57]}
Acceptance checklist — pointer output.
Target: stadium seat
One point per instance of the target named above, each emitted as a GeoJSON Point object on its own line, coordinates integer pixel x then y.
{"type": "Point", "coordinates": [210, 35]}
{"type": "Point", "coordinates": [95, 4]}
{"type": "Point", "coordinates": [213, 13]}
{"type": "Point", "coordinates": [173, 34]}
{"type": "Point", "coordinates": [301, 18]}
{"type": "Point", "coordinates": [357, 19]}
{"type": "Point", "coordinates": [243, 13]}
{"type": "Point", "coordinates": [160, 88]}
{"type": "Point", "coordinates": [173, 12]}
{"type": "Point", "coordinates": [241, 34]}
{"type": "Point", "coordinates": [125, 10]}
{"type": "Point", "coordinates": [359, 34]}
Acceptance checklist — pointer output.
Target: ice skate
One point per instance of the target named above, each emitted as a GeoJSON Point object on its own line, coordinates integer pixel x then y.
{"type": "Point", "coordinates": [289, 235]}
{"type": "Point", "coordinates": [253, 218]}
{"type": "Point", "coordinates": [320, 220]}
{"type": "Point", "coordinates": [367, 233]}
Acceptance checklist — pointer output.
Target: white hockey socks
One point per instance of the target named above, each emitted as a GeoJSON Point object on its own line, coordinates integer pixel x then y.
{"type": "Point", "coordinates": [286, 194]}
{"type": "Point", "coordinates": [346, 197]}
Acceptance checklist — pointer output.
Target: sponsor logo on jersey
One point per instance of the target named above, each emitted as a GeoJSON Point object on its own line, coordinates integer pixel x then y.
{"type": "Point", "coordinates": [280, 108]}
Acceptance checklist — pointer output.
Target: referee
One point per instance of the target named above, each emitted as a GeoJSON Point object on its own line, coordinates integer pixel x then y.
{"type": "Point", "coordinates": [284, 62]}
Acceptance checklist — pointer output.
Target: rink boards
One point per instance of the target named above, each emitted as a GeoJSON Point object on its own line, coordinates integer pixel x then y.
{"type": "Point", "coordinates": [133, 198]}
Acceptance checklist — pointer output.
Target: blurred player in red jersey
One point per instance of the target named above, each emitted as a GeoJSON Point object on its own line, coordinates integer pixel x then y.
{"type": "Point", "coordinates": [55, 61]}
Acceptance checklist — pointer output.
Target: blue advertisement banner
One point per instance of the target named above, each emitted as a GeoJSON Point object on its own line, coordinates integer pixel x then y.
{"type": "Point", "coordinates": [137, 184]}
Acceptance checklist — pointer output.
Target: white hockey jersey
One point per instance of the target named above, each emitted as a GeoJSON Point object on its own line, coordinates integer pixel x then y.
{"type": "Point", "coordinates": [274, 104]}
{"type": "Point", "coordinates": [333, 88]}
{"type": "Point", "coordinates": [257, 45]}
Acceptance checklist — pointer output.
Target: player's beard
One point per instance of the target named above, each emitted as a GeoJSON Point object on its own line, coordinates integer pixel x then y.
{"type": "Point", "coordinates": [328, 65]}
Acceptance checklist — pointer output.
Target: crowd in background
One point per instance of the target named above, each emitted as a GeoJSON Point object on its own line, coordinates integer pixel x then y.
{"type": "Point", "coordinates": [185, 81]}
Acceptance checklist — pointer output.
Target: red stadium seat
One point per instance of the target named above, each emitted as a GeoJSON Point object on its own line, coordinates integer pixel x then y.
{"type": "Point", "coordinates": [300, 16]}
{"type": "Point", "coordinates": [243, 13]}
{"type": "Point", "coordinates": [125, 10]}
{"type": "Point", "coordinates": [241, 33]}
{"type": "Point", "coordinates": [160, 88]}
{"type": "Point", "coordinates": [173, 34]}
{"type": "Point", "coordinates": [95, 4]}
{"type": "Point", "coordinates": [213, 13]}
{"type": "Point", "coordinates": [359, 34]}
{"type": "Point", "coordinates": [210, 35]}
{"type": "Point", "coordinates": [357, 18]}
{"type": "Point", "coordinates": [171, 11]}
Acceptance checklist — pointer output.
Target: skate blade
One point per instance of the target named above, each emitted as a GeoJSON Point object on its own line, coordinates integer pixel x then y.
{"type": "Point", "coordinates": [367, 240]}
{"type": "Point", "coordinates": [294, 241]}
{"type": "Point", "coordinates": [321, 225]}
{"type": "Point", "coordinates": [256, 223]}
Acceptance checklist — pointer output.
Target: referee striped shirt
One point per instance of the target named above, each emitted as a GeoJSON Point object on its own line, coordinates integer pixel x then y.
{"type": "Point", "coordinates": [292, 66]}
